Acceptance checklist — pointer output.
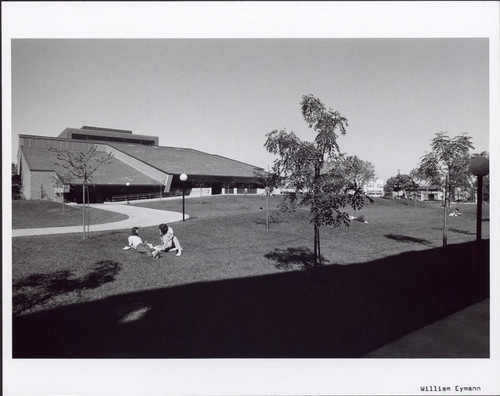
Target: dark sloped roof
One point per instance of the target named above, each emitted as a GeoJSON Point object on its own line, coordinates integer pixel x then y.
{"type": "Point", "coordinates": [175, 160]}
{"type": "Point", "coordinates": [115, 173]}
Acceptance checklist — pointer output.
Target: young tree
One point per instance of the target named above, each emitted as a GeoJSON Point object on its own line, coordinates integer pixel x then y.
{"type": "Point", "coordinates": [446, 166]}
{"type": "Point", "coordinates": [81, 166]}
{"type": "Point", "coordinates": [269, 181]}
{"type": "Point", "coordinates": [302, 165]}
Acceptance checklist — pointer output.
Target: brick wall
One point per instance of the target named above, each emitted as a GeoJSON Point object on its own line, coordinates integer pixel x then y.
{"type": "Point", "coordinates": [33, 181]}
{"type": "Point", "coordinates": [41, 179]}
{"type": "Point", "coordinates": [25, 173]}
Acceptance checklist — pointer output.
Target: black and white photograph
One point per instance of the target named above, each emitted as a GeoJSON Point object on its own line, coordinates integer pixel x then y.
{"type": "Point", "coordinates": [250, 198]}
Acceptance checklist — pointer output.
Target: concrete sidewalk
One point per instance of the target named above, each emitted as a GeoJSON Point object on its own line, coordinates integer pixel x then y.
{"type": "Point", "coordinates": [464, 334]}
{"type": "Point", "coordinates": [137, 216]}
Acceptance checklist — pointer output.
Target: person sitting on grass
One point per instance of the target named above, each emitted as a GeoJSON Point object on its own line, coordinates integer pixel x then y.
{"type": "Point", "coordinates": [135, 241]}
{"type": "Point", "coordinates": [169, 241]}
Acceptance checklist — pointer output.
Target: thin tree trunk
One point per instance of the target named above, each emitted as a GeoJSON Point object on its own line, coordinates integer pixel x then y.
{"type": "Point", "coordinates": [88, 212]}
{"type": "Point", "coordinates": [315, 246]}
{"type": "Point", "coordinates": [445, 215]}
{"type": "Point", "coordinates": [267, 212]}
{"type": "Point", "coordinates": [320, 263]}
{"type": "Point", "coordinates": [83, 209]}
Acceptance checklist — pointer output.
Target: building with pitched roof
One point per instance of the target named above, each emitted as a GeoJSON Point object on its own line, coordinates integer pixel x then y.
{"type": "Point", "coordinates": [139, 167]}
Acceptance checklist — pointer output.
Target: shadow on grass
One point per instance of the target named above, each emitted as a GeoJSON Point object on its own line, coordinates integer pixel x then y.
{"type": "Point", "coordinates": [456, 230]}
{"type": "Point", "coordinates": [408, 239]}
{"type": "Point", "coordinates": [459, 231]}
{"type": "Point", "coordinates": [39, 288]}
{"type": "Point", "coordinates": [334, 312]}
{"type": "Point", "coordinates": [290, 258]}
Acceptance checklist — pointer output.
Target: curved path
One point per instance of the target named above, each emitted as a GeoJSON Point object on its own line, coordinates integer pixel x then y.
{"type": "Point", "coordinates": [137, 216]}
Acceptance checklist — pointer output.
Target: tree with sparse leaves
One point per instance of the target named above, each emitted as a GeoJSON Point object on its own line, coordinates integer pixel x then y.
{"type": "Point", "coordinates": [269, 181]}
{"type": "Point", "coordinates": [301, 164]}
{"type": "Point", "coordinates": [446, 166]}
{"type": "Point", "coordinates": [81, 166]}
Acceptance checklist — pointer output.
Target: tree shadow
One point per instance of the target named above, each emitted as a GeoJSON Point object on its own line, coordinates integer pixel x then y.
{"type": "Point", "coordinates": [37, 289]}
{"type": "Point", "coordinates": [290, 258]}
{"type": "Point", "coordinates": [337, 311]}
{"type": "Point", "coordinates": [456, 230]}
{"type": "Point", "coordinates": [459, 231]}
{"type": "Point", "coordinates": [409, 239]}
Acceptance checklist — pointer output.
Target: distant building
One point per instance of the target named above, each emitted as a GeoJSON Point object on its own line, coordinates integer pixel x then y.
{"type": "Point", "coordinates": [374, 188]}
{"type": "Point", "coordinates": [149, 169]}
{"type": "Point", "coordinates": [429, 193]}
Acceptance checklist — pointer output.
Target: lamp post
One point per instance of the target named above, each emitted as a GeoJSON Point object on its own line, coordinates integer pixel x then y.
{"type": "Point", "coordinates": [479, 166]}
{"type": "Point", "coordinates": [183, 178]}
{"type": "Point", "coordinates": [126, 190]}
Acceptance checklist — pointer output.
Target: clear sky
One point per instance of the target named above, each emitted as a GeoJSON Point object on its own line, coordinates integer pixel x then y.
{"type": "Point", "coordinates": [223, 95]}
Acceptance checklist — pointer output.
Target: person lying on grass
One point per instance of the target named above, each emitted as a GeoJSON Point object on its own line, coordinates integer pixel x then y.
{"type": "Point", "coordinates": [456, 212]}
{"type": "Point", "coordinates": [360, 218]}
{"type": "Point", "coordinates": [135, 241]}
{"type": "Point", "coordinates": [169, 241]}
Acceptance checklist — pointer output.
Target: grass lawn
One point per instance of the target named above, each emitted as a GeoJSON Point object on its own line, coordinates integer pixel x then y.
{"type": "Point", "coordinates": [225, 240]}
{"type": "Point", "coordinates": [38, 214]}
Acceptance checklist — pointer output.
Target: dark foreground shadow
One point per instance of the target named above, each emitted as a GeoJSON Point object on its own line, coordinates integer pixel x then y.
{"type": "Point", "coordinates": [333, 312]}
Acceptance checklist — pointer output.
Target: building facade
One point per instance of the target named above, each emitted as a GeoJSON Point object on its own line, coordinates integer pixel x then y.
{"type": "Point", "coordinates": [374, 188]}
{"type": "Point", "coordinates": [139, 167]}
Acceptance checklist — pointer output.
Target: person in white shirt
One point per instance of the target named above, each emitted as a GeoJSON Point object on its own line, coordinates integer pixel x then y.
{"type": "Point", "coordinates": [169, 241]}
{"type": "Point", "coordinates": [135, 241]}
